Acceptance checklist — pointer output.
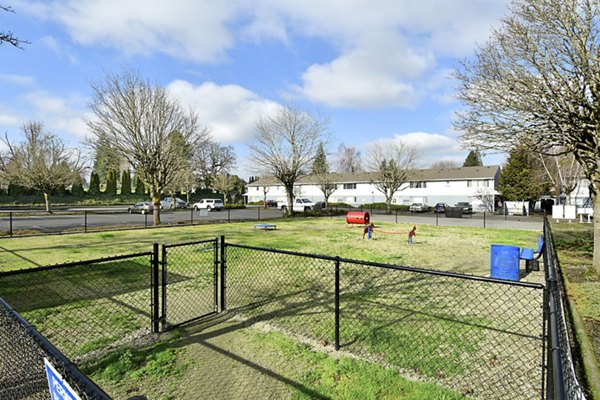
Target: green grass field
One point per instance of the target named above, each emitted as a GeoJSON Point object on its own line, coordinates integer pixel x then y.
{"type": "Point", "coordinates": [438, 329]}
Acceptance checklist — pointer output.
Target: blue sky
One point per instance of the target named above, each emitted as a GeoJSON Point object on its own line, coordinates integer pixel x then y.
{"type": "Point", "coordinates": [379, 70]}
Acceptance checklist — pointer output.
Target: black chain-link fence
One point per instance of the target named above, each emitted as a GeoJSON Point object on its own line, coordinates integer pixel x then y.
{"type": "Point", "coordinates": [189, 281]}
{"type": "Point", "coordinates": [480, 336]}
{"type": "Point", "coordinates": [22, 366]}
{"type": "Point", "coordinates": [561, 376]}
{"type": "Point", "coordinates": [85, 307]}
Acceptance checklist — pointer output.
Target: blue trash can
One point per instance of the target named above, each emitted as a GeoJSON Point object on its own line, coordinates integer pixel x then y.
{"type": "Point", "coordinates": [504, 262]}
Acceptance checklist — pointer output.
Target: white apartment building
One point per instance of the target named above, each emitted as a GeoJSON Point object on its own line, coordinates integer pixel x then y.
{"type": "Point", "coordinates": [429, 186]}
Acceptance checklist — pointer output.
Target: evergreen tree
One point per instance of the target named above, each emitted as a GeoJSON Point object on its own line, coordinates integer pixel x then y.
{"type": "Point", "coordinates": [519, 179]}
{"type": "Point", "coordinates": [111, 182]}
{"type": "Point", "coordinates": [77, 188]}
{"type": "Point", "coordinates": [140, 188]}
{"type": "Point", "coordinates": [105, 159]}
{"type": "Point", "coordinates": [473, 159]}
{"type": "Point", "coordinates": [125, 183]}
{"type": "Point", "coordinates": [94, 184]}
{"type": "Point", "coordinates": [15, 189]}
{"type": "Point", "coordinates": [320, 170]}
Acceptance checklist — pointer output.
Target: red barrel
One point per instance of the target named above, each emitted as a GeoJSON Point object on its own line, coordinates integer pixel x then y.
{"type": "Point", "coordinates": [357, 217]}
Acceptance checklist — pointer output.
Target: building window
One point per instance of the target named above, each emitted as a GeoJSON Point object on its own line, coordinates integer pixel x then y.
{"type": "Point", "coordinates": [486, 183]}
{"type": "Point", "coordinates": [349, 185]}
{"type": "Point", "coordinates": [469, 183]}
{"type": "Point", "coordinates": [418, 185]}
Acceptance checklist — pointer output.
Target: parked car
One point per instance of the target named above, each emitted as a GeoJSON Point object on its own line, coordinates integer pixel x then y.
{"type": "Point", "coordinates": [440, 208]}
{"type": "Point", "coordinates": [270, 203]}
{"type": "Point", "coordinates": [143, 207]}
{"type": "Point", "coordinates": [466, 207]}
{"type": "Point", "coordinates": [168, 204]}
{"type": "Point", "coordinates": [299, 205]}
{"type": "Point", "coordinates": [209, 204]}
{"type": "Point", "coordinates": [417, 207]}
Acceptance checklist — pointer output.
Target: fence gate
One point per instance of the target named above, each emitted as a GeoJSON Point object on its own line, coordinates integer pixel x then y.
{"type": "Point", "coordinates": [189, 282]}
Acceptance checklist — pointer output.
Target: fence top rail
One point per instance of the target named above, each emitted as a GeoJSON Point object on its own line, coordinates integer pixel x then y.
{"type": "Point", "coordinates": [167, 246]}
{"type": "Point", "coordinates": [394, 267]}
{"type": "Point", "coordinates": [76, 263]}
{"type": "Point", "coordinates": [74, 373]}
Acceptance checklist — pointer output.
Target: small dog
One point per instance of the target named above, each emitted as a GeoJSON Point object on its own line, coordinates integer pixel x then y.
{"type": "Point", "coordinates": [411, 234]}
{"type": "Point", "coordinates": [367, 227]}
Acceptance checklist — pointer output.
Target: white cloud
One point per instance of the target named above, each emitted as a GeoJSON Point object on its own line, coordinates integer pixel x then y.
{"type": "Point", "coordinates": [23, 80]}
{"type": "Point", "coordinates": [6, 119]}
{"type": "Point", "coordinates": [388, 51]}
{"type": "Point", "coordinates": [431, 147]}
{"type": "Point", "coordinates": [230, 110]}
{"type": "Point", "coordinates": [187, 29]}
{"type": "Point", "coordinates": [362, 78]}
{"type": "Point", "coordinates": [61, 115]}
{"type": "Point", "coordinates": [60, 48]}
{"type": "Point", "coordinates": [381, 54]}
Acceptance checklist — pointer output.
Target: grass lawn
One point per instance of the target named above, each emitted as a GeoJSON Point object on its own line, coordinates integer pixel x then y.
{"type": "Point", "coordinates": [457, 249]}
{"type": "Point", "coordinates": [469, 317]}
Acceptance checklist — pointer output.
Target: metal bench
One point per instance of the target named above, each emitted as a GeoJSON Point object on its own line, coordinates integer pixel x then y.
{"type": "Point", "coordinates": [532, 256]}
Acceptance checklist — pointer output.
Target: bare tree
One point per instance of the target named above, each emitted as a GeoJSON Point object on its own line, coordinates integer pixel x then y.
{"type": "Point", "coordinates": [391, 164]}
{"type": "Point", "coordinates": [212, 159]}
{"type": "Point", "coordinates": [445, 164]}
{"type": "Point", "coordinates": [42, 162]}
{"type": "Point", "coordinates": [286, 144]}
{"type": "Point", "coordinates": [563, 171]}
{"type": "Point", "coordinates": [8, 36]}
{"type": "Point", "coordinates": [139, 120]}
{"type": "Point", "coordinates": [224, 183]}
{"type": "Point", "coordinates": [348, 160]}
{"type": "Point", "coordinates": [537, 82]}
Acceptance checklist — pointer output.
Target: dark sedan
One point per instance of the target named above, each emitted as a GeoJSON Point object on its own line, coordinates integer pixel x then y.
{"type": "Point", "coordinates": [466, 207]}
{"type": "Point", "coordinates": [440, 208]}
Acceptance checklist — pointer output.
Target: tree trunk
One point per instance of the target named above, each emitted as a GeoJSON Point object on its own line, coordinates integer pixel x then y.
{"type": "Point", "coordinates": [596, 260]}
{"type": "Point", "coordinates": [388, 203]}
{"type": "Point", "coordinates": [47, 201]}
{"type": "Point", "coordinates": [290, 199]}
{"type": "Point", "coordinates": [155, 196]}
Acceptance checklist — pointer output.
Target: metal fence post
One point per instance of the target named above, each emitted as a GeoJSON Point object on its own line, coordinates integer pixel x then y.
{"type": "Point", "coordinates": [85, 221]}
{"type": "Point", "coordinates": [484, 219]}
{"type": "Point", "coordinates": [223, 274]}
{"type": "Point", "coordinates": [145, 220]}
{"type": "Point", "coordinates": [229, 215]}
{"type": "Point", "coordinates": [154, 286]}
{"type": "Point", "coordinates": [10, 229]}
{"type": "Point", "coordinates": [192, 216]}
{"type": "Point", "coordinates": [216, 274]}
{"type": "Point", "coordinates": [396, 215]}
{"type": "Point", "coordinates": [437, 217]}
{"type": "Point", "coordinates": [337, 304]}
{"type": "Point", "coordinates": [163, 284]}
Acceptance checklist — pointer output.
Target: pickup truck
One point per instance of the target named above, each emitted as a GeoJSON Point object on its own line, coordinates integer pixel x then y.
{"type": "Point", "coordinates": [300, 205]}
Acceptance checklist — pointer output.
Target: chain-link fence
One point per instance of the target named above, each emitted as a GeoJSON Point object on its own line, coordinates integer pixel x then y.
{"type": "Point", "coordinates": [189, 281]}
{"type": "Point", "coordinates": [482, 337]}
{"type": "Point", "coordinates": [22, 367]}
{"type": "Point", "coordinates": [86, 307]}
{"type": "Point", "coordinates": [561, 376]}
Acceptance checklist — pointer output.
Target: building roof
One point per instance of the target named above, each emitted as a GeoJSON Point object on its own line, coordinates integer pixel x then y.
{"type": "Point", "coordinates": [429, 175]}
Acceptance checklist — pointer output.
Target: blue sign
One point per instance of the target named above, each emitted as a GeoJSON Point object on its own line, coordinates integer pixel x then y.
{"type": "Point", "coordinates": [59, 388]}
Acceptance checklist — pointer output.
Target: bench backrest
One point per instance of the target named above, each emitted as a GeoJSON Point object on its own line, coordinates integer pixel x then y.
{"type": "Point", "coordinates": [540, 244]}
